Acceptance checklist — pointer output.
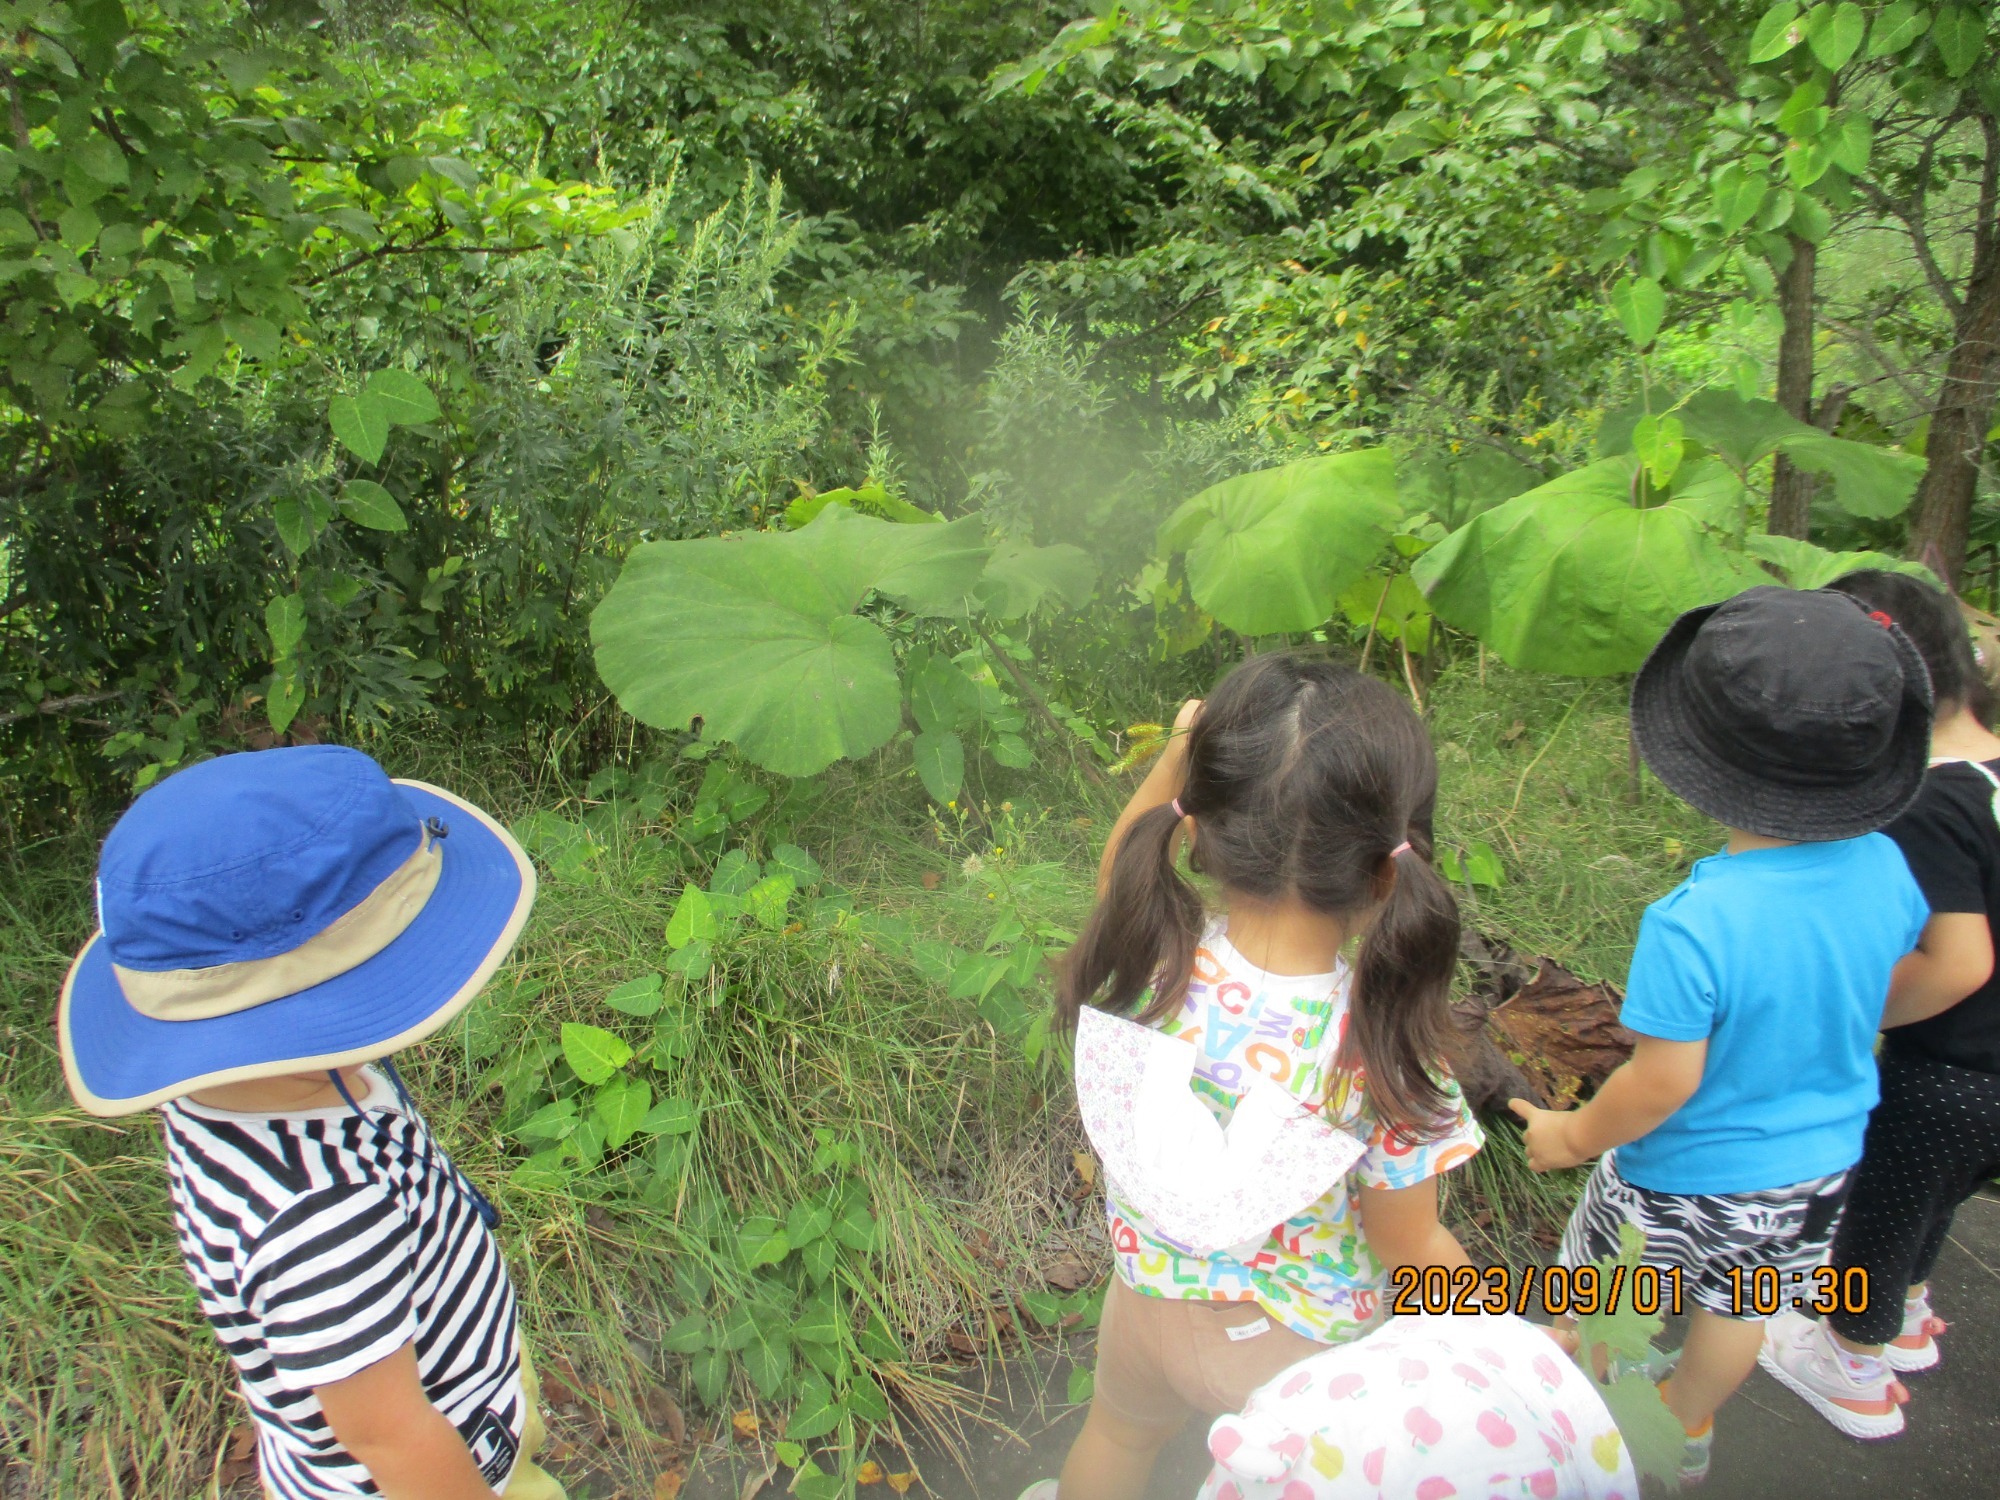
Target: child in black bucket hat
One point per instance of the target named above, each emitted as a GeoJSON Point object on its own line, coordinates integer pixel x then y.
{"type": "Point", "coordinates": [1801, 722]}
{"type": "Point", "coordinates": [271, 927]}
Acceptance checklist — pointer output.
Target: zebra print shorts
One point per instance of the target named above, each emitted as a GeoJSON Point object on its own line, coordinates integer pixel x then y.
{"type": "Point", "coordinates": [1707, 1234]}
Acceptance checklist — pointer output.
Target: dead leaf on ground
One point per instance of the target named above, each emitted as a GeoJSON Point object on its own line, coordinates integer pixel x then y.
{"type": "Point", "coordinates": [870, 1473]}
{"type": "Point", "coordinates": [664, 1414]}
{"type": "Point", "coordinates": [1086, 1167]}
{"type": "Point", "coordinates": [1565, 1032]}
{"type": "Point", "coordinates": [242, 1443]}
{"type": "Point", "coordinates": [1513, 732]}
{"type": "Point", "coordinates": [745, 1424]}
{"type": "Point", "coordinates": [754, 1484]}
{"type": "Point", "coordinates": [667, 1486]}
{"type": "Point", "coordinates": [962, 1343]}
{"type": "Point", "coordinates": [1067, 1273]}
{"type": "Point", "coordinates": [932, 880]}
{"type": "Point", "coordinates": [559, 1386]}
{"type": "Point", "coordinates": [901, 1483]}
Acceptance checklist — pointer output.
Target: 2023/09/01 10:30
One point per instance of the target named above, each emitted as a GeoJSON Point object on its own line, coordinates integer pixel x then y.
{"type": "Point", "coordinates": [1580, 1291]}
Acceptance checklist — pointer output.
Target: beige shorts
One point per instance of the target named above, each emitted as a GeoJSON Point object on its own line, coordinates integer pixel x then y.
{"type": "Point", "coordinates": [1160, 1361]}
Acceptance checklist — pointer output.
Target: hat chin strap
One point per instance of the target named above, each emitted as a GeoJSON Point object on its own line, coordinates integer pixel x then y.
{"type": "Point", "coordinates": [353, 938]}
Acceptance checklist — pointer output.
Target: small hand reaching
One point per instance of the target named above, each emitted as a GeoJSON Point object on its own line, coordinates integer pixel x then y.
{"type": "Point", "coordinates": [1548, 1137]}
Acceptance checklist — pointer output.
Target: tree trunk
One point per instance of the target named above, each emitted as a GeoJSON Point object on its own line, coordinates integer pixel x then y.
{"type": "Point", "coordinates": [1792, 488]}
{"type": "Point", "coordinates": [1964, 411]}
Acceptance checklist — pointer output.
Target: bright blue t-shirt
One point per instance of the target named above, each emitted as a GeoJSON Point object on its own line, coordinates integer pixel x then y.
{"type": "Point", "coordinates": [1781, 959]}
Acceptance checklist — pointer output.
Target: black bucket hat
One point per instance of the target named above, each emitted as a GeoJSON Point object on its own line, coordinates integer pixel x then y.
{"type": "Point", "coordinates": [1793, 713]}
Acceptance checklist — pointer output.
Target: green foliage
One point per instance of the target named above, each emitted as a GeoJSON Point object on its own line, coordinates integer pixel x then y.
{"type": "Point", "coordinates": [756, 637]}
{"type": "Point", "coordinates": [1572, 577]}
{"type": "Point", "coordinates": [1271, 551]}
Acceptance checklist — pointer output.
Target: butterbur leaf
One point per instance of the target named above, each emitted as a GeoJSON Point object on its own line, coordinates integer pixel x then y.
{"type": "Point", "coordinates": [1572, 578]}
{"type": "Point", "coordinates": [755, 635]}
{"type": "Point", "coordinates": [1019, 578]}
{"type": "Point", "coordinates": [592, 1052]}
{"type": "Point", "coordinates": [1867, 480]}
{"type": "Point", "coordinates": [1271, 551]}
{"type": "Point", "coordinates": [368, 504]}
{"type": "Point", "coordinates": [671, 1116]}
{"type": "Point", "coordinates": [638, 997]}
{"type": "Point", "coordinates": [940, 758]}
{"type": "Point", "coordinates": [361, 425]}
{"type": "Point", "coordinates": [1808, 567]}
{"type": "Point", "coordinates": [693, 919]}
{"type": "Point", "coordinates": [1641, 306]}
{"type": "Point", "coordinates": [400, 398]}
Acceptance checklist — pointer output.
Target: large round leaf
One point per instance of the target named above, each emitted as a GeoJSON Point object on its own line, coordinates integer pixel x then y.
{"type": "Point", "coordinates": [1271, 551]}
{"type": "Point", "coordinates": [755, 634]}
{"type": "Point", "coordinates": [1571, 578]}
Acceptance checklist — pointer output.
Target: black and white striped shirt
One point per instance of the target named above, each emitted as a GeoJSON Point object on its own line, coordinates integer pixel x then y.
{"type": "Point", "coordinates": [321, 1241]}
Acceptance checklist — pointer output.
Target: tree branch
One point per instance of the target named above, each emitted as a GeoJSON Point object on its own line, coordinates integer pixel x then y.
{"type": "Point", "coordinates": [55, 706]}
{"type": "Point", "coordinates": [1866, 341]}
{"type": "Point", "coordinates": [425, 245]}
{"type": "Point", "coordinates": [25, 147]}
{"type": "Point", "coordinates": [1709, 55]}
{"type": "Point", "coordinates": [1912, 215]}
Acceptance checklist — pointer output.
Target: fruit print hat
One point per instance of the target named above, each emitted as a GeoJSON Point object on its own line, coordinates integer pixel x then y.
{"type": "Point", "coordinates": [1426, 1408]}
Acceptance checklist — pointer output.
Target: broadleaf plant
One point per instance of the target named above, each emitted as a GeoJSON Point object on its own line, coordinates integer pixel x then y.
{"type": "Point", "coordinates": [757, 635]}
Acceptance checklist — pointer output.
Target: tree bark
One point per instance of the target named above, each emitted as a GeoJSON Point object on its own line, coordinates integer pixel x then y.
{"type": "Point", "coordinates": [1964, 410]}
{"type": "Point", "coordinates": [1792, 488]}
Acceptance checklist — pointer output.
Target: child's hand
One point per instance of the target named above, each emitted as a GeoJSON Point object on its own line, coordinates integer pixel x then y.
{"type": "Point", "coordinates": [1549, 1143]}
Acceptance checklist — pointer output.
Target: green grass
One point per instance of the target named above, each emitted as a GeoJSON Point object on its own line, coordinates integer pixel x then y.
{"type": "Point", "coordinates": [838, 1025]}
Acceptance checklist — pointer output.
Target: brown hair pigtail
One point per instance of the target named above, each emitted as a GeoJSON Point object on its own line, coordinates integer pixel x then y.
{"type": "Point", "coordinates": [1143, 930]}
{"type": "Point", "coordinates": [1399, 1020]}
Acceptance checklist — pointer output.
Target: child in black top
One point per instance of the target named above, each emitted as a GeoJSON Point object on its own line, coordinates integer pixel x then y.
{"type": "Point", "coordinates": [1935, 1136]}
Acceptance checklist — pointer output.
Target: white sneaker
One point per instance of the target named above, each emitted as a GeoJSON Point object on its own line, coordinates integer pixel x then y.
{"type": "Point", "coordinates": [1801, 1356]}
{"type": "Point", "coordinates": [1041, 1489]}
{"type": "Point", "coordinates": [1916, 1347]}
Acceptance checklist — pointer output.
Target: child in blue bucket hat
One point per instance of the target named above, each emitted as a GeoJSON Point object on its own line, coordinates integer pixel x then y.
{"type": "Point", "coordinates": [272, 926]}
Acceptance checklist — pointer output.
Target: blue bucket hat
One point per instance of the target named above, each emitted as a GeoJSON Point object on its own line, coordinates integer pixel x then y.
{"type": "Point", "coordinates": [282, 911]}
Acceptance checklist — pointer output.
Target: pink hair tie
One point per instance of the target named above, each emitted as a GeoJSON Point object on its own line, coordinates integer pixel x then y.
{"type": "Point", "coordinates": [1402, 848]}
{"type": "Point", "coordinates": [1177, 808]}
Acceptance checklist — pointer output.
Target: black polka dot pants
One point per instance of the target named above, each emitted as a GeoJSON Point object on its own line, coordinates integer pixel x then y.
{"type": "Point", "coordinates": [1933, 1139]}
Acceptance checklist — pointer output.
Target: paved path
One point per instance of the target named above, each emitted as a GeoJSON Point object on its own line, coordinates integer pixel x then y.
{"type": "Point", "coordinates": [1768, 1446]}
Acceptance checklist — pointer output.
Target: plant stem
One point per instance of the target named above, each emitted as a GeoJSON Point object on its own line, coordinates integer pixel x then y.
{"type": "Point", "coordinates": [1041, 705]}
